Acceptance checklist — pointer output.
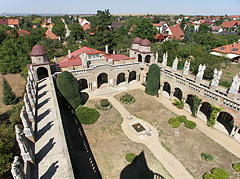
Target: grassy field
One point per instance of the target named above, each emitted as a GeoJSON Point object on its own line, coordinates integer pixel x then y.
{"type": "Point", "coordinates": [188, 145]}
{"type": "Point", "coordinates": [229, 73]}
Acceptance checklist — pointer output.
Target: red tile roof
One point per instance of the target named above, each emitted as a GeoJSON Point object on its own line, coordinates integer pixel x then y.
{"type": "Point", "coordinates": [13, 22]}
{"type": "Point", "coordinates": [76, 61]}
{"type": "Point", "coordinates": [177, 32]}
{"type": "Point", "coordinates": [23, 32]}
{"type": "Point", "coordinates": [232, 48]}
{"type": "Point", "coordinates": [3, 21]}
{"type": "Point", "coordinates": [86, 27]}
{"type": "Point", "coordinates": [38, 50]}
{"type": "Point", "coordinates": [117, 57]}
{"type": "Point", "coordinates": [229, 24]}
{"type": "Point", "coordinates": [50, 35]}
{"type": "Point", "coordinates": [160, 37]}
{"type": "Point", "coordinates": [87, 50]}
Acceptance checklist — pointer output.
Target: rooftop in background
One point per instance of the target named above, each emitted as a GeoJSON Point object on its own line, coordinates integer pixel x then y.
{"type": "Point", "coordinates": [232, 48]}
{"type": "Point", "coordinates": [38, 50]}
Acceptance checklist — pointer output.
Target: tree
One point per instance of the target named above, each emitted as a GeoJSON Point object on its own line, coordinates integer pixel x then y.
{"type": "Point", "coordinates": [59, 28]}
{"type": "Point", "coordinates": [144, 29]}
{"type": "Point", "coordinates": [68, 86]}
{"type": "Point", "coordinates": [153, 80]}
{"type": "Point", "coordinates": [204, 28]}
{"type": "Point", "coordinates": [8, 96]}
{"type": "Point", "coordinates": [76, 31]}
{"type": "Point", "coordinates": [196, 103]}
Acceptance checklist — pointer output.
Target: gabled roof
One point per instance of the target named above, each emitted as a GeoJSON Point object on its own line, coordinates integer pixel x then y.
{"type": "Point", "coordinates": [23, 32]}
{"type": "Point", "coordinates": [215, 28]}
{"type": "Point", "coordinates": [3, 21]}
{"type": "Point", "coordinates": [117, 57]}
{"type": "Point", "coordinates": [13, 22]}
{"type": "Point", "coordinates": [232, 48]}
{"type": "Point", "coordinates": [177, 32]}
{"type": "Point", "coordinates": [50, 35]}
{"type": "Point", "coordinates": [229, 24]}
{"type": "Point", "coordinates": [160, 37]}
{"type": "Point", "coordinates": [87, 50]}
{"type": "Point", "coordinates": [77, 61]}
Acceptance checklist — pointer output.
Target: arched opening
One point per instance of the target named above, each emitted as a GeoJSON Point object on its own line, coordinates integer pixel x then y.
{"type": "Point", "coordinates": [120, 78]}
{"type": "Point", "coordinates": [189, 101]}
{"type": "Point", "coordinates": [101, 79]}
{"type": "Point", "coordinates": [206, 109]}
{"type": "Point", "coordinates": [167, 88]}
{"type": "Point", "coordinates": [178, 93]}
{"type": "Point", "coordinates": [132, 76]}
{"type": "Point", "coordinates": [82, 84]}
{"type": "Point", "coordinates": [147, 59]}
{"type": "Point", "coordinates": [226, 120]}
{"type": "Point", "coordinates": [139, 58]}
{"type": "Point", "coordinates": [42, 73]}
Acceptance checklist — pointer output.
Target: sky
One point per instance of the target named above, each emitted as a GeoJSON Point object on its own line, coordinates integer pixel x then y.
{"type": "Point", "coordinates": [186, 7]}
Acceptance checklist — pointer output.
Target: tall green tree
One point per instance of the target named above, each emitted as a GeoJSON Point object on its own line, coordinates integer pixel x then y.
{"type": "Point", "coordinates": [76, 31]}
{"type": "Point", "coordinates": [8, 96]}
{"type": "Point", "coordinates": [153, 80]}
{"type": "Point", "coordinates": [59, 28]}
{"type": "Point", "coordinates": [144, 29]}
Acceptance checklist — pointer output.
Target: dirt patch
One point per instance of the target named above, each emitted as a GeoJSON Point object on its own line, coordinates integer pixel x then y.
{"type": "Point", "coordinates": [17, 83]}
{"type": "Point", "coordinates": [110, 145]}
{"type": "Point", "coordinates": [230, 72]}
{"type": "Point", "coordinates": [188, 145]}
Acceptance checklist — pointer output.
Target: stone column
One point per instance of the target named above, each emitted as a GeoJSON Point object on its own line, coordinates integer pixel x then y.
{"type": "Point", "coordinates": [28, 109]}
{"type": "Point", "coordinates": [126, 79]}
{"type": "Point", "coordinates": [236, 132]}
{"type": "Point", "coordinates": [26, 124]}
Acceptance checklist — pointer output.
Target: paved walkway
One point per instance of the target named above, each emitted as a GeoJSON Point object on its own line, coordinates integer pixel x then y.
{"type": "Point", "coordinates": [51, 153]}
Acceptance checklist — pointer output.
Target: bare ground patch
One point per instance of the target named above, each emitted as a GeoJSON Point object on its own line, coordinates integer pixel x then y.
{"type": "Point", "coordinates": [189, 145]}
{"type": "Point", "coordinates": [110, 145]}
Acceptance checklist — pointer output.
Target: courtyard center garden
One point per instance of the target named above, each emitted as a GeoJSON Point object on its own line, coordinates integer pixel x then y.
{"type": "Point", "coordinates": [190, 146]}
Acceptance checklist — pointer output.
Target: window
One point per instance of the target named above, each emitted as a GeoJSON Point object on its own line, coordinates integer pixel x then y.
{"type": "Point", "coordinates": [235, 49]}
{"type": "Point", "coordinates": [221, 48]}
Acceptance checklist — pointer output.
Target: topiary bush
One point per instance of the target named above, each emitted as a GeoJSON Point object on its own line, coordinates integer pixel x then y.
{"type": "Point", "coordinates": [207, 157]}
{"type": "Point", "coordinates": [69, 88]}
{"type": "Point", "coordinates": [214, 112]}
{"type": "Point", "coordinates": [196, 103]}
{"type": "Point", "coordinates": [153, 80]}
{"type": "Point", "coordinates": [87, 115]}
{"type": "Point", "coordinates": [236, 166]}
{"type": "Point", "coordinates": [179, 104]}
{"type": "Point", "coordinates": [171, 120]}
{"type": "Point", "coordinates": [130, 157]}
{"type": "Point", "coordinates": [175, 124]}
{"type": "Point", "coordinates": [104, 103]}
{"type": "Point", "coordinates": [181, 118]}
{"type": "Point", "coordinates": [127, 99]}
{"type": "Point", "coordinates": [217, 173]}
{"type": "Point", "coordinates": [190, 124]}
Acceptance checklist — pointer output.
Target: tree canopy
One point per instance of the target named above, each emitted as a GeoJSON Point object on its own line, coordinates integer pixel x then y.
{"type": "Point", "coordinates": [59, 28]}
{"type": "Point", "coordinates": [76, 31]}
{"type": "Point", "coordinates": [153, 80]}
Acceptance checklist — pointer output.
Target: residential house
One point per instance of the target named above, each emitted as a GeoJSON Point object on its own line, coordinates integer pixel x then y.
{"type": "Point", "coordinates": [23, 32]}
{"type": "Point", "coordinates": [216, 29]}
{"type": "Point", "coordinates": [230, 25]}
{"type": "Point", "coordinates": [174, 32]}
{"type": "Point", "coordinates": [47, 23]}
{"type": "Point", "coordinates": [116, 25]}
{"type": "Point", "coordinates": [84, 23]}
{"type": "Point", "coordinates": [231, 51]}
{"type": "Point", "coordinates": [161, 26]}
{"type": "Point", "coordinates": [50, 35]}
{"type": "Point", "coordinates": [10, 22]}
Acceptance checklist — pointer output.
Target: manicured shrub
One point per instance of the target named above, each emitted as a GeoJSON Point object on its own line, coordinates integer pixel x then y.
{"type": "Point", "coordinates": [236, 166]}
{"type": "Point", "coordinates": [104, 103]}
{"type": "Point", "coordinates": [127, 99]}
{"type": "Point", "coordinates": [196, 103]}
{"type": "Point", "coordinates": [190, 124]}
{"type": "Point", "coordinates": [179, 104]}
{"type": "Point", "coordinates": [153, 80]}
{"type": "Point", "coordinates": [130, 157]}
{"type": "Point", "coordinates": [171, 120]}
{"type": "Point", "coordinates": [69, 88]}
{"type": "Point", "coordinates": [181, 118]}
{"type": "Point", "coordinates": [207, 157]}
{"type": "Point", "coordinates": [87, 115]}
{"type": "Point", "coordinates": [214, 112]}
{"type": "Point", "coordinates": [8, 96]}
{"type": "Point", "coordinates": [217, 173]}
{"type": "Point", "coordinates": [175, 124]}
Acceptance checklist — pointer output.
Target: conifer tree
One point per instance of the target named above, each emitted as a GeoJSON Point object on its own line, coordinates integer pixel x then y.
{"type": "Point", "coordinates": [153, 80]}
{"type": "Point", "coordinates": [8, 96]}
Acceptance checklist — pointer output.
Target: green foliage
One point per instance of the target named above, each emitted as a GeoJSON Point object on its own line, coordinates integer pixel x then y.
{"type": "Point", "coordinates": [190, 124]}
{"type": "Point", "coordinates": [153, 80]}
{"type": "Point", "coordinates": [175, 124]}
{"type": "Point", "coordinates": [196, 103]}
{"type": "Point", "coordinates": [236, 166]}
{"type": "Point", "coordinates": [171, 120]}
{"type": "Point", "coordinates": [214, 112]}
{"type": "Point", "coordinates": [144, 29]}
{"type": "Point", "coordinates": [52, 46]}
{"type": "Point", "coordinates": [181, 119]}
{"type": "Point", "coordinates": [8, 96]}
{"type": "Point", "coordinates": [87, 115]}
{"type": "Point", "coordinates": [104, 103]}
{"type": "Point", "coordinates": [217, 173]}
{"type": "Point", "coordinates": [59, 28]}
{"type": "Point", "coordinates": [207, 157]}
{"type": "Point", "coordinates": [225, 83]}
{"type": "Point", "coordinates": [15, 114]}
{"type": "Point", "coordinates": [204, 28]}
{"type": "Point", "coordinates": [37, 20]}
{"type": "Point", "coordinates": [130, 157]}
{"type": "Point", "coordinates": [76, 31]}
{"type": "Point", "coordinates": [179, 104]}
{"type": "Point", "coordinates": [127, 99]}
{"type": "Point", "coordinates": [68, 86]}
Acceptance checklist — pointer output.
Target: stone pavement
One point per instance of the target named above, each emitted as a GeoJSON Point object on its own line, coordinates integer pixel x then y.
{"type": "Point", "coordinates": [51, 153]}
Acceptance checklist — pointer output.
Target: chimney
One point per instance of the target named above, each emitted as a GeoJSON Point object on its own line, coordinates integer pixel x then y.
{"type": "Point", "coordinates": [69, 53]}
{"type": "Point", "coordinates": [106, 49]}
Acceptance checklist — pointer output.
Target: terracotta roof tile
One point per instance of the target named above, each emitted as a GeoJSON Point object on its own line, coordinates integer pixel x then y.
{"type": "Point", "coordinates": [232, 48]}
{"type": "Point", "coordinates": [177, 32]}
{"type": "Point", "coordinates": [229, 24]}
{"type": "Point", "coordinates": [50, 35]}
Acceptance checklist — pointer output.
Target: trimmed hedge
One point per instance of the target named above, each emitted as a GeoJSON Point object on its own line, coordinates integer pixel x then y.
{"type": "Point", "coordinates": [217, 173]}
{"type": "Point", "coordinates": [104, 103]}
{"type": "Point", "coordinates": [87, 115]}
{"type": "Point", "coordinates": [69, 88]}
{"type": "Point", "coordinates": [207, 157]}
{"type": "Point", "coordinates": [181, 118]}
{"type": "Point", "coordinates": [171, 120]}
{"type": "Point", "coordinates": [153, 80]}
{"type": "Point", "coordinates": [175, 124]}
{"type": "Point", "coordinates": [236, 166]}
{"type": "Point", "coordinates": [127, 99]}
{"type": "Point", "coordinates": [130, 157]}
{"type": "Point", "coordinates": [190, 124]}
{"type": "Point", "coordinates": [179, 104]}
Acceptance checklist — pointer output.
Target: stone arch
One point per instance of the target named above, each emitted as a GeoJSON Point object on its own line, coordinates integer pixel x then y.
{"type": "Point", "coordinates": [120, 78]}
{"type": "Point", "coordinates": [189, 101]}
{"type": "Point", "coordinates": [132, 76]}
{"type": "Point", "coordinates": [147, 59]}
{"type": "Point", "coordinates": [101, 79]}
{"type": "Point", "coordinates": [139, 58]}
{"type": "Point", "coordinates": [42, 72]}
{"type": "Point", "coordinates": [178, 93]}
{"type": "Point", "coordinates": [226, 120]}
{"type": "Point", "coordinates": [206, 109]}
{"type": "Point", "coordinates": [82, 84]}
{"type": "Point", "coordinates": [167, 88]}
